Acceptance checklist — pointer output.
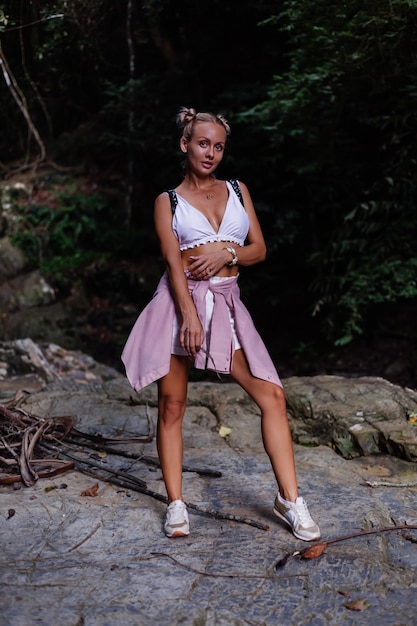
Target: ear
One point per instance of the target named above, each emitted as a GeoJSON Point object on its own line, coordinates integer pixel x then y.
{"type": "Point", "coordinates": [183, 145]}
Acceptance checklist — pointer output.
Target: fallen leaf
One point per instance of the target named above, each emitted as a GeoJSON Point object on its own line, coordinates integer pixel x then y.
{"type": "Point", "coordinates": [357, 605]}
{"type": "Point", "coordinates": [102, 455]}
{"type": "Point", "coordinates": [344, 593]}
{"type": "Point", "coordinates": [49, 488]}
{"type": "Point", "coordinates": [91, 491]}
{"type": "Point", "coordinates": [10, 513]}
{"type": "Point", "coordinates": [224, 431]}
{"type": "Point", "coordinates": [313, 551]}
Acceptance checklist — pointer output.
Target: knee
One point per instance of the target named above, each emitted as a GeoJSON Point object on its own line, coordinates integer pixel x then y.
{"type": "Point", "coordinates": [276, 401]}
{"type": "Point", "coordinates": [280, 400]}
{"type": "Point", "coordinates": [171, 410]}
{"type": "Point", "coordinates": [277, 395]}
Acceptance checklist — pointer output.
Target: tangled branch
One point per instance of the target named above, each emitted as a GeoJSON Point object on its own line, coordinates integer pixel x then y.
{"type": "Point", "coordinates": [34, 447]}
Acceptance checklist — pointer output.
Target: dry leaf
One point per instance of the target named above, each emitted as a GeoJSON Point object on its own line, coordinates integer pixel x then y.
{"type": "Point", "coordinates": [357, 605]}
{"type": "Point", "coordinates": [412, 416]}
{"type": "Point", "coordinates": [224, 431]}
{"type": "Point", "coordinates": [91, 491]}
{"type": "Point", "coordinates": [344, 593]}
{"type": "Point", "coordinates": [313, 551]}
{"type": "Point", "coordinates": [10, 513]}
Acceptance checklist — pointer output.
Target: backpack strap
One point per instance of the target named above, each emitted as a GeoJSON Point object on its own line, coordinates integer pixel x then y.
{"type": "Point", "coordinates": [237, 189]}
{"type": "Point", "coordinates": [173, 199]}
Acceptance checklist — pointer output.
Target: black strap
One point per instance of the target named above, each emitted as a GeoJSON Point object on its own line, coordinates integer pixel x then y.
{"type": "Point", "coordinates": [173, 199]}
{"type": "Point", "coordinates": [237, 189]}
{"type": "Point", "coordinates": [233, 181]}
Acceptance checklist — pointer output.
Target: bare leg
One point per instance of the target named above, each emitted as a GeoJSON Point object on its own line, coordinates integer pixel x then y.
{"type": "Point", "coordinates": [172, 400]}
{"type": "Point", "coordinates": [274, 423]}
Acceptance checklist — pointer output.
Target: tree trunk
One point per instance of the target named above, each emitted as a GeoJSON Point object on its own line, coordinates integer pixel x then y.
{"type": "Point", "coordinates": [20, 99]}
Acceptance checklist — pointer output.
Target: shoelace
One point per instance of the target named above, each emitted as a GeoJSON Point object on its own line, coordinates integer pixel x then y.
{"type": "Point", "coordinates": [176, 514]}
{"type": "Point", "coordinates": [303, 512]}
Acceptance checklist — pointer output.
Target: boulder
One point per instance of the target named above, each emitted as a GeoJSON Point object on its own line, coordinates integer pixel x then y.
{"type": "Point", "coordinates": [355, 416]}
{"type": "Point", "coordinates": [26, 291]}
{"type": "Point", "coordinates": [12, 260]}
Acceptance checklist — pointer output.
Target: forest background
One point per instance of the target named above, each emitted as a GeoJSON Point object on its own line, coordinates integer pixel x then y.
{"type": "Point", "coordinates": [322, 100]}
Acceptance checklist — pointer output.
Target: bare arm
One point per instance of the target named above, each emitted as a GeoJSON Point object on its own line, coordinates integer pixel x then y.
{"type": "Point", "coordinates": [193, 339]}
{"type": "Point", "coordinates": [255, 250]}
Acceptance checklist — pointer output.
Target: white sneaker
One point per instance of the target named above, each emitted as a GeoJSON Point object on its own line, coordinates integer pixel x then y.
{"type": "Point", "coordinates": [176, 523]}
{"type": "Point", "coordinates": [297, 517]}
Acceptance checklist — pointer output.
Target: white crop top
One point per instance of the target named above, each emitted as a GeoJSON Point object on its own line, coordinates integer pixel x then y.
{"type": "Point", "coordinates": [192, 228]}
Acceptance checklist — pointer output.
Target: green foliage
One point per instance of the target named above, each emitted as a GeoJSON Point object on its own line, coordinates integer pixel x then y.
{"type": "Point", "coordinates": [341, 121]}
{"type": "Point", "coordinates": [322, 103]}
{"type": "Point", "coordinates": [63, 234]}
{"type": "Point", "coordinates": [3, 19]}
{"type": "Point", "coordinates": [374, 283]}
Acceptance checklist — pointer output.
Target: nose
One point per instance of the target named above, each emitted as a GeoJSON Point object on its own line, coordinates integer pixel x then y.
{"type": "Point", "coordinates": [210, 151]}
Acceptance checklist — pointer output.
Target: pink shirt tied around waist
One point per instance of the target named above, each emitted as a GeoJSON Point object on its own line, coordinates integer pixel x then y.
{"type": "Point", "coordinates": [147, 352]}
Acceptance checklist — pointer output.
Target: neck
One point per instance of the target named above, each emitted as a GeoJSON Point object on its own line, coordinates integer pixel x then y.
{"type": "Point", "coordinates": [198, 183]}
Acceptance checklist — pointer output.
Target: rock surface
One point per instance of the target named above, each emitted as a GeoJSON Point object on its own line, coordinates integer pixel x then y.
{"type": "Point", "coordinates": [71, 559]}
{"type": "Point", "coordinates": [358, 416]}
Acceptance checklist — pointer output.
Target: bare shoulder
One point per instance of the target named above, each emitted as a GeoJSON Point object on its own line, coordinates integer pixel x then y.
{"type": "Point", "coordinates": [162, 198]}
{"type": "Point", "coordinates": [162, 203]}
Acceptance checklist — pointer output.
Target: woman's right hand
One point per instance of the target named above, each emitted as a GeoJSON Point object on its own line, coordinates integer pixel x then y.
{"type": "Point", "coordinates": [191, 334]}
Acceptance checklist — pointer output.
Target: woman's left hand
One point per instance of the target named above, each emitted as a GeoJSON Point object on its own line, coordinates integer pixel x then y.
{"type": "Point", "coordinates": [204, 266]}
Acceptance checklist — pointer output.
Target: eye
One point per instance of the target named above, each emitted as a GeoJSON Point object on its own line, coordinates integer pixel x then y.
{"type": "Point", "coordinates": [219, 147]}
{"type": "Point", "coordinates": [203, 143]}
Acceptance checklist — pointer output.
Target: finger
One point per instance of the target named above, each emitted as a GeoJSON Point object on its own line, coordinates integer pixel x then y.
{"type": "Point", "coordinates": [193, 341]}
{"type": "Point", "coordinates": [189, 343]}
{"type": "Point", "coordinates": [185, 339]}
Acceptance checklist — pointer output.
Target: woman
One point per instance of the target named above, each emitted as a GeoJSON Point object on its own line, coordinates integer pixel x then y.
{"type": "Point", "coordinates": [206, 229]}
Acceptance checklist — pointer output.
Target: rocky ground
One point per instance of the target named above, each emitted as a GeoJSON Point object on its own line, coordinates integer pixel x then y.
{"type": "Point", "coordinates": [70, 558]}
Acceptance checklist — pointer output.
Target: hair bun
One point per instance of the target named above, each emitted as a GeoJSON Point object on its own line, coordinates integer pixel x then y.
{"type": "Point", "coordinates": [185, 116]}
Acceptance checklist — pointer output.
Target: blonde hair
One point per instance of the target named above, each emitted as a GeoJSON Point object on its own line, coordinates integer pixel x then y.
{"type": "Point", "coordinates": [186, 118]}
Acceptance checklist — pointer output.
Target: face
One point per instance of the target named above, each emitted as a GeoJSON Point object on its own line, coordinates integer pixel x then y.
{"type": "Point", "coordinates": [205, 149]}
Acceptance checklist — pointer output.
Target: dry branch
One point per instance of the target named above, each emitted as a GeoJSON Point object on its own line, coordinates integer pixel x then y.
{"type": "Point", "coordinates": [222, 575]}
{"type": "Point", "coordinates": [148, 460]}
{"type": "Point", "coordinates": [316, 550]}
{"type": "Point", "coordinates": [57, 437]}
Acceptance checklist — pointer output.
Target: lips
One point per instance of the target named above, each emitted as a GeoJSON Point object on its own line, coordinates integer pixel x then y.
{"type": "Point", "coordinates": [207, 164]}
